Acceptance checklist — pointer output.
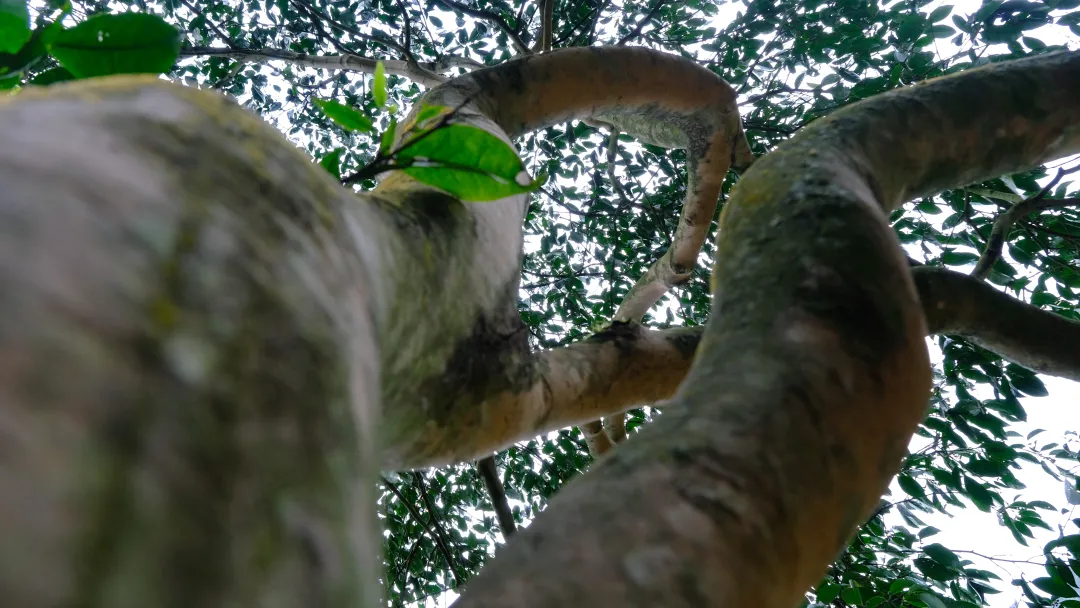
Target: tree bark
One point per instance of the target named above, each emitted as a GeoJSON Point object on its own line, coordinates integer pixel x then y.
{"type": "Point", "coordinates": [812, 372]}
{"type": "Point", "coordinates": [209, 348]}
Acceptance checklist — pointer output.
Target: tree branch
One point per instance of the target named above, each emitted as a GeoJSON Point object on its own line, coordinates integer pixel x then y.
{"type": "Point", "coordinates": [224, 37]}
{"type": "Point", "coordinates": [1005, 221]}
{"type": "Point", "coordinates": [444, 541]}
{"type": "Point", "coordinates": [640, 24]}
{"type": "Point", "coordinates": [427, 525]}
{"type": "Point", "coordinates": [962, 305]}
{"type": "Point", "coordinates": [353, 63]}
{"type": "Point", "coordinates": [492, 18]}
{"type": "Point", "coordinates": [489, 473]}
{"type": "Point", "coordinates": [546, 9]}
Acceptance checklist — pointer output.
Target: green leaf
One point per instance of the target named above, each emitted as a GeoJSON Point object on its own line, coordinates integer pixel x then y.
{"type": "Point", "coordinates": [1054, 587]}
{"type": "Point", "coordinates": [14, 25]}
{"type": "Point", "coordinates": [466, 161]}
{"type": "Point", "coordinates": [934, 570]}
{"type": "Point", "coordinates": [910, 486]}
{"type": "Point", "coordinates": [387, 138]}
{"type": "Point", "coordinates": [941, 554]}
{"type": "Point", "coordinates": [827, 592]}
{"type": "Point", "coordinates": [851, 595]}
{"type": "Point", "coordinates": [956, 258]}
{"type": "Point", "coordinates": [126, 43]}
{"type": "Point", "coordinates": [939, 13]}
{"type": "Point", "coordinates": [344, 116]}
{"type": "Point", "coordinates": [332, 162]}
{"type": "Point", "coordinates": [378, 87]}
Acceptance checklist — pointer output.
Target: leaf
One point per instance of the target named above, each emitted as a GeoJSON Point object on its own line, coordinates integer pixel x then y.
{"type": "Point", "coordinates": [332, 162]}
{"type": "Point", "coordinates": [344, 116]}
{"type": "Point", "coordinates": [942, 554]}
{"type": "Point", "coordinates": [851, 595]}
{"type": "Point", "coordinates": [827, 592]}
{"type": "Point", "coordinates": [955, 258]}
{"type": "Point", "coordinates": [387, 139]}
{"type": "Point", "coordinates": [14, 25]}
{"type": "Point", "coordinates": [1025, 381]}
{"type": "Point", "coordinates": [466, 161]}
{"type": "Point", "coordinates": [934, 570]}
{"type": "Point", "coordinates": [939, 13]}
{"type": "Point", "coordinates": [1054, 587]}
{"type": "Point", "coordinates": [378, 87]}
{"type": "Point", "coordinates": [125, 43]}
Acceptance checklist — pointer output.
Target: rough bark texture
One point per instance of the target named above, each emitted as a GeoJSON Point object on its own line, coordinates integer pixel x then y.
{"type": "Point", "coordinates": [812, 372]}
{"type": "Point", "coordinates": [199, 329]}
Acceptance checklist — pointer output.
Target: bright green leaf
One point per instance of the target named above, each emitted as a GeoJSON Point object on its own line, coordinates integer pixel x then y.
{"type": "Point", "coordinates": [344, 116]}
{"type": "Point", "coordinates": [466, 161]}
{"type": "Point", "coordinates": [378, 87]}
{"type": "Point", "coordinates": [125, 43]}
{"type": "Point", "coordinates": [332, 162]}
{"type": "Point", "coordinates": [14, 25]}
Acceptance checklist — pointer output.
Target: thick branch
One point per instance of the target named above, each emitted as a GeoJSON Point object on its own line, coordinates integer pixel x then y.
{"type": "Point", "coordinates": [355, 63]}
{"type": "Point", "coordinates": [489, 473]}
{"type": "Point", "coordinates": [546, 9]}
{"type": "Point", "coordinates": [961, 305]}
{"type": "Point", "coordinates": [812, 373]}
{"type": "Point", "coordinates": [613, 371]}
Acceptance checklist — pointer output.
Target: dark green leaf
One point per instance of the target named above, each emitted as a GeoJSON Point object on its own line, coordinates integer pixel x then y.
{"type": "Point", "coordinates": [126, 43]}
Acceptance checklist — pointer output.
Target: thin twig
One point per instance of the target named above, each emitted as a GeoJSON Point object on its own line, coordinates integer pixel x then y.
{"type": "Point", "coordinates": [1004, 222]}
{"type": "Point", "coordinates": [489, 473]}
{"type": "Point", "coordinates": [426, 525]}
{"type": "Point", "coordinates": [211, 24]}
{"type": "Point", "coordinates": [645, 20]}
{"type": "Point", "coordinates": [498, 21]}
{"type": "Point", "coordinates": [445, 542]}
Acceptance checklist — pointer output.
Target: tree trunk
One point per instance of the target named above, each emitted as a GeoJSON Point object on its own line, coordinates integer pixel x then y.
{"type": "Point", "coordinates": [209, 348]}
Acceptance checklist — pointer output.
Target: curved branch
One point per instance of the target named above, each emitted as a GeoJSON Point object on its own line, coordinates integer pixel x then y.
{"type": "Point", "coordinates": [489, 473]}
{"type": "Point", "coordinates": [963, 305]}
{"type": "Point", "coordinates": [354, 63]}
{"type": "Point", "coordinates": [813, 370]}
